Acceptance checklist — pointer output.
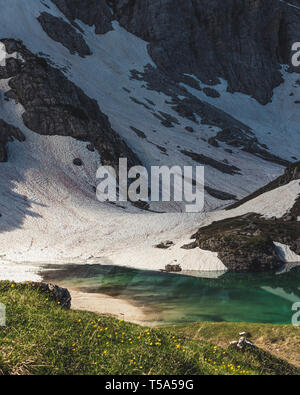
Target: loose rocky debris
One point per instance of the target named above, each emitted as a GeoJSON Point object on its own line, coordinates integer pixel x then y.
{"type": "Point", "coordinates": [165, 245]}
{"type": "Point", "coordinates": [172, 269]}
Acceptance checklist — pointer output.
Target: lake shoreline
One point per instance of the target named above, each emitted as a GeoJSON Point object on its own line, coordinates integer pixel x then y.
{"type": "Point", "coordinates": [111, 306]}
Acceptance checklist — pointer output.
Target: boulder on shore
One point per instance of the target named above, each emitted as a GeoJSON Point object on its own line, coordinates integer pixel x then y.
{"type": "Point", "coordinates": [62, 295]}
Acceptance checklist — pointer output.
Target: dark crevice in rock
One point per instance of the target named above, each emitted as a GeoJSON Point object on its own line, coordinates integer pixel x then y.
{"type": "Point", "coordinates": [139, 102]}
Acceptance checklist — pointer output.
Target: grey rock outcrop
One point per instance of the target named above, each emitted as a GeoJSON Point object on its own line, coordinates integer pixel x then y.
{"type": "Point", "coordinates": [233, 132]}
{"type": "Point", "coordinates": [61, 295]}
{"type": "Point", "coordinates": [63, 32]}
{"type": "Point", "coordinates": [240, 247]}
{"type": "Point", "coordinates": [56, 106]}
{"type": "Point", "coordinates": [244, 42]}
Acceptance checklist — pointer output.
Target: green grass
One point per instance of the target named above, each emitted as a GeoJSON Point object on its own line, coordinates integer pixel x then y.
{"type": "Point", "coordinates": [43, 338]}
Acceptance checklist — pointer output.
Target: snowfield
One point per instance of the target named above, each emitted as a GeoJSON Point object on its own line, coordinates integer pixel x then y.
{"type": "Point", "coordinates": [48, 205]}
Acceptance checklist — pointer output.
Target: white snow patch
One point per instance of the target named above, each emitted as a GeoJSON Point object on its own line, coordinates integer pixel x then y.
{"type": "Point", "coordinates": [275, 203]}
{"type": "Point", "coordinates": [4, 55]}
{"type": "Point", "coordinates": [150, 257]}
{"type": "Point", "coordinates": [19, 273]}
{"type": "Point", "coordinates": [286, 254]}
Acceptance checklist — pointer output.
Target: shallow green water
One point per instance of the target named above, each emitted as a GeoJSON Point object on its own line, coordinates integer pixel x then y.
{"type": "Point", "coordinates": [174, 299]}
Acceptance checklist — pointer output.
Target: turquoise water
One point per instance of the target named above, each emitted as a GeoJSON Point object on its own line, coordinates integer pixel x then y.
{"type": "Point", "coordinates": [177, 299]}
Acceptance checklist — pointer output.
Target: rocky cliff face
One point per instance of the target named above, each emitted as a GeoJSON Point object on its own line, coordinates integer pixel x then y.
{"type": "Point", "coordinates": [244, 42]}
{"type": "Point", "coordinates": [55, 106]}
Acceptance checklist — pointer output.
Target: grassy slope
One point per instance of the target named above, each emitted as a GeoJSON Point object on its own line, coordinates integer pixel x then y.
{"type": "Point", "coordinates": [42, 338]}
{"type": "Point", "coordinates": [283, 341]}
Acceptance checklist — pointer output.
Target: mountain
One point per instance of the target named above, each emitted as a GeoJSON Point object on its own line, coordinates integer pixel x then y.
{"type": "Point", "coordinates": [84, 83]}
